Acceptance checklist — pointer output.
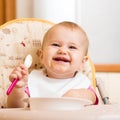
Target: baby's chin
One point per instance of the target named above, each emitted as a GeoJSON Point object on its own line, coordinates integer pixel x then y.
{"type": "Point", "coordinates": [60, 74]}
{"type": "Point", "coordinates": [60, 69]}
{"type": "Point", "coordinates": [59, 66]}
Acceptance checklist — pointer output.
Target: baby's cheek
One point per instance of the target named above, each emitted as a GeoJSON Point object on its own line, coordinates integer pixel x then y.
{"type": "Point", "coordinates": [51, 64]}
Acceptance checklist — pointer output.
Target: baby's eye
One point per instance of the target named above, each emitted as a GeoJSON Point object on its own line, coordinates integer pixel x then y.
{"type": "Point", "coordinates": [55, 44]}
{"type": "Point", "coordinates": [72, 47]}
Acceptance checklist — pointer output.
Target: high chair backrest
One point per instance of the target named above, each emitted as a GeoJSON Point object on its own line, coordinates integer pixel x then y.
{"type": "Point", "coordinates": [18, 38]}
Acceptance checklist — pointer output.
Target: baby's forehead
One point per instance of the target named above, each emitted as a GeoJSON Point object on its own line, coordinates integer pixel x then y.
{"type": "Point", "coordinates": [59, 27]}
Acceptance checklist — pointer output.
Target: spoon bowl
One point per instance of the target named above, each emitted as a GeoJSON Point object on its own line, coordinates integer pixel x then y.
{"type": "Point", "coordinates": [28, 61]}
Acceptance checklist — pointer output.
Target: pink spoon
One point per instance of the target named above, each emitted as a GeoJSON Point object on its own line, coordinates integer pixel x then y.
{"type": "Point", "coordinates": [27, 63]}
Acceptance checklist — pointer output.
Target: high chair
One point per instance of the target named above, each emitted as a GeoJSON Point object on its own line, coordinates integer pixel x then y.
{"type": "Point", "coordinates": [20, 37]}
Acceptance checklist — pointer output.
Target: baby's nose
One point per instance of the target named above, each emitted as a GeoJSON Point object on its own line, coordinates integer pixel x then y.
{"type": "Point", "coordinates": [62, 50]}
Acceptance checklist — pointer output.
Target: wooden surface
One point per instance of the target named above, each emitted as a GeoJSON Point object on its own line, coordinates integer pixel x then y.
{"type": "Point", "coordinates": [7, 10]}
{"type": "Point", "coordinates": [107, 67]}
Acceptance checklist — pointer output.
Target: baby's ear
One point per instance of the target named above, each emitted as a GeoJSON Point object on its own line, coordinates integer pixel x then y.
{"type": "Point", "coordinates": [85, 58]}
{"type": "Point", "coordinates": [41, 58]}
{"type": "Point", "coordinates": [41, 55]}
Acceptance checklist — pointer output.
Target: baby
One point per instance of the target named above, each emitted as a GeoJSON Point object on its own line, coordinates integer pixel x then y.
{"type": "Point", "coordinates": [63, 54]}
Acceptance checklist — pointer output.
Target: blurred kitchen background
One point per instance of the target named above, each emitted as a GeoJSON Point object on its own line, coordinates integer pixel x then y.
{"type": "Point", "coordinates": [99, 18]}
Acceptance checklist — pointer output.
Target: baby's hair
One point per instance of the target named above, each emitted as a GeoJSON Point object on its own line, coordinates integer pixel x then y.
{"type": "Point", "coordinates": [72, 26]}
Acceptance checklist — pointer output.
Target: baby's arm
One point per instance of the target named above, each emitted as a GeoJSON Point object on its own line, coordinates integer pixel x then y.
{"type": "Point", "coordinates": [81, 93]}
{"type": "Point", "coordinates": [17, 95]}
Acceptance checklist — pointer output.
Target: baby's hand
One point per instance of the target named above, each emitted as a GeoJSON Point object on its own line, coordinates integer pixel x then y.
{"type": "Point", "coordinates": [21, 73]}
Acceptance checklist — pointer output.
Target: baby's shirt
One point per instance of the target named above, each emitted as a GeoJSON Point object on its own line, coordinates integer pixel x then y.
{"type": "Point", "coordinates": [42, 86]}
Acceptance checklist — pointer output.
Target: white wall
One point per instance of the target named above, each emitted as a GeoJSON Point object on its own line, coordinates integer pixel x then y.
{"type": "Point", "coordinates": [55, 10]}
{"type": "Point", "coordinates": [100, 19]}
{"type": "Point", "coordinates": [24, 8]}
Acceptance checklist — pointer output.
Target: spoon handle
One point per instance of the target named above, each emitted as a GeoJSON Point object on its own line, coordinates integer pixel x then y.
{"type": "Point", "coordinates": [12, 86]}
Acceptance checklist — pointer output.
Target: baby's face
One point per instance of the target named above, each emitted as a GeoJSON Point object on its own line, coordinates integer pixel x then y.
{"type": "Point", "coordinates": [63, 52]}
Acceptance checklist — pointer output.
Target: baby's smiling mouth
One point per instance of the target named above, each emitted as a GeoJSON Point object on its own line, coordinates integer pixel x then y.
{"type": "Point", "coordinates": [63, 59]}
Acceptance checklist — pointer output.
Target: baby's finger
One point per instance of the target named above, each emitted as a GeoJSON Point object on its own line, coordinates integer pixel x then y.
{"type": "Point", "coordinates": [12, 77]}
{"type": "Point", "coordinates": [18, 69]}
{"type": "Point", "coordinates": [21, 83]}
{"type": "Point", "coordinates": [24, 72]}
{"type": "Point", "coordinates": [22, 66]}
{"type": "Point", "coordinates": [18, 74]}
